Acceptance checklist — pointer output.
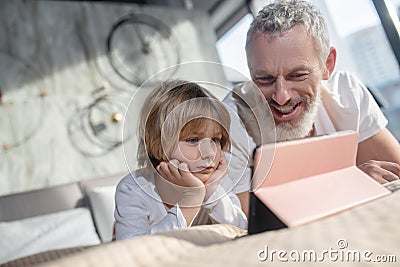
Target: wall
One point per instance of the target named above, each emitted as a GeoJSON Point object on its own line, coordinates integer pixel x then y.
{"type": "Point", "coordinates": [62, 100]}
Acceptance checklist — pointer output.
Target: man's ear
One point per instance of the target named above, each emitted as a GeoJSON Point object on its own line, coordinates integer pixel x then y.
{"type": "Point", "coordinates": [329, 64]}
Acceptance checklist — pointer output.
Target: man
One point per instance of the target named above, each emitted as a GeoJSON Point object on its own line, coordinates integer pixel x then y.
{"type": "Point", "coordinates": [291, 62]}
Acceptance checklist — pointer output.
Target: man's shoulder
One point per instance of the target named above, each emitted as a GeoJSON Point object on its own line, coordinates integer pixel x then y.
{"type": "Point", "coordinates": [342, 82]}
{"type": "Point", "coordinates": [245, 91]}
{"type": "Point", "coordinates": [229, 98]}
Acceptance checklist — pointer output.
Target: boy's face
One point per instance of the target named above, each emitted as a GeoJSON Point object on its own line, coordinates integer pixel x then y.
{"type": "Point", "coordinates": [201, 150]}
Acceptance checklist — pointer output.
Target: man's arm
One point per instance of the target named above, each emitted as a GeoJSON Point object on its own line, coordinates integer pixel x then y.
{"type": "Point", "coordinates": [379, 156]}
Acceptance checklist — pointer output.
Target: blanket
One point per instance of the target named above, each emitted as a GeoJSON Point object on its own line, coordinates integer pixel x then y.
{"type": "Point", "coordinates": [364, 235]}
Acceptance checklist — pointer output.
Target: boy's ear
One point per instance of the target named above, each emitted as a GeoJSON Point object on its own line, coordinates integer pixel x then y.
{"type": "Point", "coordinates": [329, 64]}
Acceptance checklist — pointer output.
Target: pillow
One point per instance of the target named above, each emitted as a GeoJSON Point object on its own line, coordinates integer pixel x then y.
{"type": "Point", "coordinates": [56, 230]}
{"type": "Point", "coordinates": [102, 202]}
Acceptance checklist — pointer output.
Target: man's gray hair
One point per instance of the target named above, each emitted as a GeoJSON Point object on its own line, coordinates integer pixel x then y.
{"type": "Point", "coordinates": [281, 16]}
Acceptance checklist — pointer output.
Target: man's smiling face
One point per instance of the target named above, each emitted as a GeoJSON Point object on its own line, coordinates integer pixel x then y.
{"type": "Point", "coordinates": [288, 72]}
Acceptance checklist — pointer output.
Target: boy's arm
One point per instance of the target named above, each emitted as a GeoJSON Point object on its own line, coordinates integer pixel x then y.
{"type": "Point", "coordinates": [178, 185]}
{"type": "Point", "coordinates": [132, 214]}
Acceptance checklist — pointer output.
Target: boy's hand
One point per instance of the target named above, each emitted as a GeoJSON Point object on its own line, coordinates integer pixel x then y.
{"type": "Point", "coordinates": [179, 185]}
{"type": "Point", "coordinates": [178, 173]}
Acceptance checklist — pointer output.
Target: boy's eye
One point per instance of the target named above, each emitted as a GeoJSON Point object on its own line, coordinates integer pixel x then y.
{"type": "Point", "coordinates": [192, 140]}
{"type": "Point", "coordinates": [217, 140]}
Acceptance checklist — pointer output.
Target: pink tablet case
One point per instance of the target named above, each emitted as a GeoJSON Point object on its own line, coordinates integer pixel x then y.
{"type": "Point", "coordinates": [311, 178]}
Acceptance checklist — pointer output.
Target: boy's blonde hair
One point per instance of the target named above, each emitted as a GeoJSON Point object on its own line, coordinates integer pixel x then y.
{"type": "Point", "coordinates": [172, 110]}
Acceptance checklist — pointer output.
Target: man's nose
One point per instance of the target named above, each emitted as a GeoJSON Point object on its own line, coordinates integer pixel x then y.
{"type": "Point", "coordinates": [207, 148]}
{"type": "Point", "coordinates": [281, 94]}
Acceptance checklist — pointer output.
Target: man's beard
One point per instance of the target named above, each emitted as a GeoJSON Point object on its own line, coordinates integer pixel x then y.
{"type": "Point", "coordinates": [286, 131]}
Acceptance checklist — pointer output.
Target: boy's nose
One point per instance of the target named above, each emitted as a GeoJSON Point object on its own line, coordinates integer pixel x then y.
{"type": "Point", "coordinates": [207, 148]}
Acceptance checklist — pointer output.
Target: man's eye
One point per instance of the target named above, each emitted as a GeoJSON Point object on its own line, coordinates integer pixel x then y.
{"type": "Point", "coordinates": [192, 140]}
{"type": "Point", "coordinates": [298, 76]}
{"type": "Point", "coordinates": [264, 80]}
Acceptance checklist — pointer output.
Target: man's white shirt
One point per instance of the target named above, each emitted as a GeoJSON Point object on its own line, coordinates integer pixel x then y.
{"type": "Point", "coordinates": [346, 105]}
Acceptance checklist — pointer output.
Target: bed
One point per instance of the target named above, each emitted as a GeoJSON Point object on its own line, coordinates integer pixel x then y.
{"type": "Point", "coordinates": [63, 218]}
{"type": "Point", "coordinates": [366, 234]}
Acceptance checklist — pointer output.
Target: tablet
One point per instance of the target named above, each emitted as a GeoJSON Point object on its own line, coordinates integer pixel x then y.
{"type": "Point", "coordinates": [296, 182]}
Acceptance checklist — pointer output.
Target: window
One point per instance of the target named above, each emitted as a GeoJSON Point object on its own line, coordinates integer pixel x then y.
{"type": "Point", "coordinates": [363, 48]}
{"type": "Point", "coordinates": [231, 50]}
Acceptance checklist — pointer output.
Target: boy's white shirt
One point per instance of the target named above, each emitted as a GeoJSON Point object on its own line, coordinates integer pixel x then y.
{"type": "Point", "coordinates": [140, 211]}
